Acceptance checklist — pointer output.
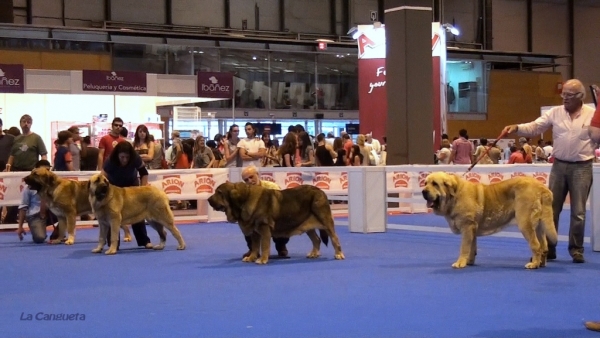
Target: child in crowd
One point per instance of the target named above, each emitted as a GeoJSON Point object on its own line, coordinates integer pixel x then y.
{"type": "Point", "coordinates": [63, 160]}
{"type": "Point", "coordinates": [36, 213]}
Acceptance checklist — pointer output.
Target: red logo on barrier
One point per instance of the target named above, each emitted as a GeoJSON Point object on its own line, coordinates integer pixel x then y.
{"type": "Point", "coordinates": [70, 178]}
{"type": "Point", "coordinates": [401, 179]}
{"type": "Point", "coordinates": [3, 189]}
{"type": "Point", "coordinates": [293, 180]}
{"type": "Point", "coordinates": [423, 177]}
{"type": "Point", "coordinates": [344, 180]}
{"type": "Point", "coordinates": [517, 174]}
{"type": "Point", "coordinates": [172, 184]}
{"type": "Point", "coordinates": [204, 183]}
{"type": "Point", "coordinates": [267, 177]}
{"type": "Point", "coordinates": [473, 177]}
{"type": "Point", "coordinates": [542, 177]}
{"type": "Point", "coordinates": [495, 177]}
{"type": "Point", "coordinates": [322, 180]}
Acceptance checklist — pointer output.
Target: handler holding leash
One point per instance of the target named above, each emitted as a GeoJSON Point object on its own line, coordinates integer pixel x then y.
{"type": "Point", "coordinates": [250, 176]}
{"type": "Point", "coordinates": [574, 154]}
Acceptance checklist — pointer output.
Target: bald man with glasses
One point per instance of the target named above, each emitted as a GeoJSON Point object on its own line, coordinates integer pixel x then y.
{"type": "Point", "coordinates": [250, 176]}
{"type": "Point", "coordinates": [573, 153]}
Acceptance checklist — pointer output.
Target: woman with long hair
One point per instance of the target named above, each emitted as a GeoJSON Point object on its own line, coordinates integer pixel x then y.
{"type": "Point", "coordinates": [270, 158]}
{"type": "Point", "coordinates": [365, 150]}
{"type": "Point", "coordinates": [356, 157]}
{"type": "Point", "coordinates": [287, 150]}
{"type": "Point", "coordinates": [230, 146]}
{"type": "Point", "coordinates": [143, 144]}
{"type": "Point", "coordinates": [338, 147]}
{"type": "Point", "coordinates": [307, 151]}
{"type": "Point", "coordinates": [122, 169]}
{"type": "Point", "coordinates": [203, 156]}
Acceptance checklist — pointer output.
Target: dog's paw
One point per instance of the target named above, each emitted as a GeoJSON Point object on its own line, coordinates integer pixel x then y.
{"type": "Point", "coordinates": [532, 265]}
{"type": "Point", "coordinates": [127, 239]}
{"type": "Point", "coordinates": [247, 259]}
{"type": "Point", "coordinates": [111, 251]}
{"type": "Point", "coordinates": [340, 256]}
{"type": "Point", "coordinates": [97, 250]}
{"type": "Point", "coordinates": [54, 241]}
{"type": "Point", "coordinates": [70, 240]}
{"type": "Point", "coordinates": [313, 254]}
{"type": "Point", "coordinates": [181, 247]}
{"type": "Point", "coordinates": [262, 260]}
{"type": "Point", "coordinates": [159, 246]}
{"type": "Point", "coordinates": [459, 264]}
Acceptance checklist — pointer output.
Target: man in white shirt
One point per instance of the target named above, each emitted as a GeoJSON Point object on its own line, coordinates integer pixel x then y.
{"type": "Point", "coordinates": [374, 143]}
{"type": "Point", "coordinates": [573, 157]}
{"type": "Point", "coordinates": [252, 149]}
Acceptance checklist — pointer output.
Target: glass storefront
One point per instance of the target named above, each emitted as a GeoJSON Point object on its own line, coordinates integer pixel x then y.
{"type": "Point", "coordinates": [212, 127]}
{"type": "Point", "coordinates": [467, 86]}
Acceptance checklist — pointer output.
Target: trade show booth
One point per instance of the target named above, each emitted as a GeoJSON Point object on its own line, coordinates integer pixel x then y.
{"type": "Point", "coordinates": [90, 99]}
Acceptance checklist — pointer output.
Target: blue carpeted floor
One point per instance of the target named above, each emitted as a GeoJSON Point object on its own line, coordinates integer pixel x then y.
{"type": "Point", "coordinates": [395, 284]}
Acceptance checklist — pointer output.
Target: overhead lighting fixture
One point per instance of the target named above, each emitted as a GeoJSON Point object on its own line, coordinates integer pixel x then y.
{"type": "Point", "coordinates": [354, 33]}
{"type": "Point", "coordinates": [450, 28]}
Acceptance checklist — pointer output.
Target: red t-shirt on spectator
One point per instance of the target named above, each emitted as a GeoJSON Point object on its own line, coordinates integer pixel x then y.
{"type": "Point", "coordinates": [516, 157]}
{"type": "Point", "coordinates": [108, 143]}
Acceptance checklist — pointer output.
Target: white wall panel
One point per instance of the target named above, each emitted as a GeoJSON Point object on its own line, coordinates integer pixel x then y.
{"type": "Point", "coordinates": [550, 28]}
{"type": "Point", "coordinates": [307, 16]}
{"type": "Point", "coordinates": [83, 12]}
{"type": "Point", "coordinates": [587, 44]}
{"type": "Point", "coordinates": [360, 12]}
{"type": "Point", "coordinates": [509, 25]}
{"type": "Point", "coordinates": [209, 13]}
{"type": "Point", "coordinates": [463, 13]}
{"type": "Point", "coordinates": [148, 11]}
{"type": "Point", "coordinates": [268, 14]}
{"type": "Point", "coordinates": [242, 10]}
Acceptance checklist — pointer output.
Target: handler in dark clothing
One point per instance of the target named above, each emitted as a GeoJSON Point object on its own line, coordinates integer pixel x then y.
{"type": "Point", "coordinates": [122, 170]}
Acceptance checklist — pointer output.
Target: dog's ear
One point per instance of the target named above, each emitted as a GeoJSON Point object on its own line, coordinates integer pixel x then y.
{"type": "Point", "coordinates": [451, 183]}
{"type": "Point", "coordinates": [50, 179]}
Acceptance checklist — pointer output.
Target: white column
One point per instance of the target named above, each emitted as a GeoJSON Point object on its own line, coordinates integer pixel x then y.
{"type": "Point", "coordinates": [367, 199]}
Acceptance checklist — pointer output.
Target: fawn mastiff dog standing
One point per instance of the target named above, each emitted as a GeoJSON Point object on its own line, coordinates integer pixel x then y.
{"type": "Point", "coordinates": [475, 209]}
{"type": "Point", "coordinates": [65, 198]}
{"type": "Point", "coordinates": [262, 213]}
{"type": "Point", "coordinates": [114, 206]}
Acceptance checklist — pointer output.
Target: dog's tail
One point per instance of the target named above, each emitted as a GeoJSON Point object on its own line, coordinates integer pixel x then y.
{"type": "Point", "coordinates": [547, 218]}
{"type": "Point", "coordinates": [324, 236]}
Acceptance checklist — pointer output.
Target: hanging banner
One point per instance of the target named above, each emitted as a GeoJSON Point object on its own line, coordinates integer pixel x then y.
{"type": "Point", "coordinates": [215, 85]}
{"type": "Point", "coordinates": [11, 79]}
{"type": "Point", "coordinates": [107, 81]}
{"type": "Point", "coordinates": [372, 110]}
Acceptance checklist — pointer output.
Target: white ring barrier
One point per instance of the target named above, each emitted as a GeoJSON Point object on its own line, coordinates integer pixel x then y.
{"type": "Point", "coordinates": [367, 188]}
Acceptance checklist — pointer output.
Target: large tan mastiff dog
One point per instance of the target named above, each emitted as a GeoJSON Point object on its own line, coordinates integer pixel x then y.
{"type": "Point", "coordinates": [475, 209]}
{"type": "Point", "coordinates": [114, 206]}
{"type": "Point", "coordinates": [65, 198]}
{"type": "Point", "coordinates": [264, 213]}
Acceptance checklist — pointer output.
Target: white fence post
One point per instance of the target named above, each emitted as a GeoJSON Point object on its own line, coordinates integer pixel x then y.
{"type": "Point", "coordinates": [595, 201]}
{"type": "Point", "coordinates": [367, 199]}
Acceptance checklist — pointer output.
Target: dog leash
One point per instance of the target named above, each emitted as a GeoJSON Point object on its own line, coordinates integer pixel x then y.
{"type": "Point", "coordinates": [486, 151]}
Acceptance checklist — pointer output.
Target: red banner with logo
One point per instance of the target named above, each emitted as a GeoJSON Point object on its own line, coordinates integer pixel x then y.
{"type": "Point", "coordinates": [372, 106]}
